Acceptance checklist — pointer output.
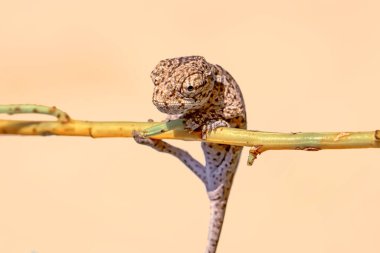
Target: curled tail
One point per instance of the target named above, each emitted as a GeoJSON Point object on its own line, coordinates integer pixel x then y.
{"type": "Point", "coordinates": [218, 203]}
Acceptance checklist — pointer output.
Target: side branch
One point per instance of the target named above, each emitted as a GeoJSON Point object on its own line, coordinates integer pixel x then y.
{"type": "Point", "coordinates": [31, 108]}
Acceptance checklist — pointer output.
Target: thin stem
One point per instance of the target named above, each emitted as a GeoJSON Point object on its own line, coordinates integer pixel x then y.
{"type": "Point", "coordinates": [311, 141]}
{"type": "Point", "coordinates": [259, 141]}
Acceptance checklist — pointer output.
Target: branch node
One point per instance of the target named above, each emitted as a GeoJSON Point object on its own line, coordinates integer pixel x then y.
{"type": "Point", "coordinates": [377, 135]}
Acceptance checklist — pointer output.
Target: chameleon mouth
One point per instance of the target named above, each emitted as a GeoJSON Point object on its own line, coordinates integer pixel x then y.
{"type": "Point", "coordinates": [172, 104]}
{"type": "Point", "coordinates": [173, 107]}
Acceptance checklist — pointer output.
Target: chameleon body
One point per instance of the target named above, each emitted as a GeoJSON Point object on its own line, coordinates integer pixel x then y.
{"type": "Point", "coordinates": [206, 97]}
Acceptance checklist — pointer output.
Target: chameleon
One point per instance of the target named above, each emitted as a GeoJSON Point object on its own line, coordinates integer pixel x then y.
{"type": "Point", "coordinates": [205, 97]}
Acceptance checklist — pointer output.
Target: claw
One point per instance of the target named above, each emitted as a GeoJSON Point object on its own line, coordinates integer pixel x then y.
{"type": "Point", "coordinates": [212, 126]}
{"type": "Point", "coordinates": [140, 139]}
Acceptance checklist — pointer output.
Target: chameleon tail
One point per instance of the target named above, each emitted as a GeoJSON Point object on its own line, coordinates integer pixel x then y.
{"type": "Point", "coordinates": [218, 202]}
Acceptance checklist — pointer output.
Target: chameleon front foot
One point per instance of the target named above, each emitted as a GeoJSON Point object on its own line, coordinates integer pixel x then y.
{"type": "Point", "coordinates": [141, 139]}
{"type": "Point", "coordinates": [211, 126]}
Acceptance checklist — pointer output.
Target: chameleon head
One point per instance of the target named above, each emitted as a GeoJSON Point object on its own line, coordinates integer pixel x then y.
{"type": "Point", "coordinates": [182, 84]}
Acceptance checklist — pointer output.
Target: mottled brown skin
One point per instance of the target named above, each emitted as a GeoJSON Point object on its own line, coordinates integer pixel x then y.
{"type": "Point", "coordinates": [206, 97]}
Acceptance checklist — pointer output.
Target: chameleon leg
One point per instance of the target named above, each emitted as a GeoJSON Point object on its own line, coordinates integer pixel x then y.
{"type": "Point", "coordinates": [196, 167]}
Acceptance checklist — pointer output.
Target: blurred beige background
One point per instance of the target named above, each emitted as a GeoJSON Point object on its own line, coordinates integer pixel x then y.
{"type": "Point", "coordinates": [302, 66]}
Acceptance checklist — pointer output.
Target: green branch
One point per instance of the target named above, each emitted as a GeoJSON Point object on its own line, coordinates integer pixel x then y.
{"type": "Point", "coordinates": [257, 140]}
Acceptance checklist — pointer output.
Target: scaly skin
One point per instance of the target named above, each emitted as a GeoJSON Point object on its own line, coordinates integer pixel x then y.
{"type": "Point", "coordinates": [206, 97]}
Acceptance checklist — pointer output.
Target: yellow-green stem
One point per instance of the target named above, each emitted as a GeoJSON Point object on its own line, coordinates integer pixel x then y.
{"type": "Point", "coordinates": [259, 141]}
{"type": "Point", "coordinates": [266, 140]}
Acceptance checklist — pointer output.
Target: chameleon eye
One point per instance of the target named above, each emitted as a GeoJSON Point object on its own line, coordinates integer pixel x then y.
{"type": "Point", "coordinates": [190, 88]}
